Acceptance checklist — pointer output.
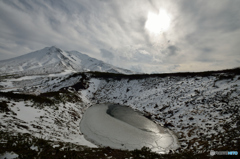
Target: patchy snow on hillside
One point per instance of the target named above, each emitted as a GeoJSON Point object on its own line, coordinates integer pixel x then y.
{"type": "Point", "coordinates": [59, 122]}
{"type": "Point", "coordinates": [203, 111]}
{"type": "Point", "coordinates": [198, 109]}
{"type": "Point", "coordinates": [39, 84]}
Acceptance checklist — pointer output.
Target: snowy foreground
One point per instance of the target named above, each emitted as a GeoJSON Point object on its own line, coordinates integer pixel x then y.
{"type": "Point", "coordinates": [203, 111]}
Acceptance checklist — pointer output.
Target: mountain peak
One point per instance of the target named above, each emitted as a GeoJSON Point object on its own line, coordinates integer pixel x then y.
{"type": "Point", "coordinates": [53, 49]}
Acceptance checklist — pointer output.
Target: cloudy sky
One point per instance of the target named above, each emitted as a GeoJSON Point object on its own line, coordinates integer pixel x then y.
{"type": "Point", "coordinates": [145, 36]}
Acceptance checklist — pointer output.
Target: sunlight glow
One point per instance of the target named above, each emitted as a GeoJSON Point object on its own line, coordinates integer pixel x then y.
{"type": "Point", "coordinates": [157, 23]}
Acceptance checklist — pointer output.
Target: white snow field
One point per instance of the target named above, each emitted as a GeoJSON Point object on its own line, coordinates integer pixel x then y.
{"type": "Point", "coordinates": [103, 129]}
{"type": "Point", "coordinates": [9, 155]}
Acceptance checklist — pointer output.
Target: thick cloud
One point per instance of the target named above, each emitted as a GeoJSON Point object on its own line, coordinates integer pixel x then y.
{"type": "Point", "coordinates": [203, 35]}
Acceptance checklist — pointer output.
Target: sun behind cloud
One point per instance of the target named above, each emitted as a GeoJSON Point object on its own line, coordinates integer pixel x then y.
{"type": "Point", "coordinates": [157, 23]}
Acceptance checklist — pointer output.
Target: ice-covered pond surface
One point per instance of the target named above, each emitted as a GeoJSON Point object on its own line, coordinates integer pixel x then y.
{"type": "Point", "coordinates": [121, 127]}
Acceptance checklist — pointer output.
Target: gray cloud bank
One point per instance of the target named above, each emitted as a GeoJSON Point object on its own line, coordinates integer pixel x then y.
{"type": "Point", "coordinates": [203, 35]}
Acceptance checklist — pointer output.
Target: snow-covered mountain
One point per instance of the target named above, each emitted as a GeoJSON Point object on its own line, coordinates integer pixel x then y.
{"type": "Point", "coordinates": [55, 60]}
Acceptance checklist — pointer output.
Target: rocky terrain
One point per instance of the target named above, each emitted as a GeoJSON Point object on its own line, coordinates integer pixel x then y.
{"type": "Point", "coordinates": [201, 108]}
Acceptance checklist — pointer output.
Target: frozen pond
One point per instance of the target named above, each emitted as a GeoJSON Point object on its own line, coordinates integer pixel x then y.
{"type": "Point", "coordinates": [121, 127]}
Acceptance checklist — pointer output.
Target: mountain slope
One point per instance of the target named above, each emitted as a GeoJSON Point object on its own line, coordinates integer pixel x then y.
{"type": "Point", "coordinates": [55, 60]}
{"type": "Point", "coordinates": [201, 108]}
